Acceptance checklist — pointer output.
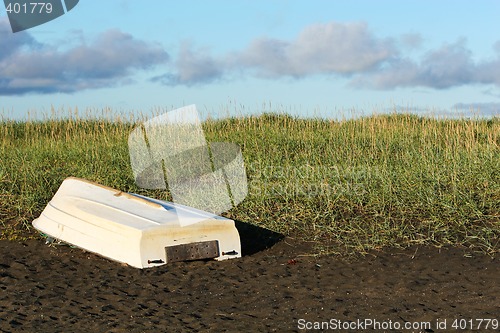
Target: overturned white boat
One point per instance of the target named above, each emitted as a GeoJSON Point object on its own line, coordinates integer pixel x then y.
{"type": "Point", "coordinates": [136, 230]}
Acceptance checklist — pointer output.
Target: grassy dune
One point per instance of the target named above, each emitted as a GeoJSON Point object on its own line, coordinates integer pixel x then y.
{"type": "Point", "coordinates": [350, 186]}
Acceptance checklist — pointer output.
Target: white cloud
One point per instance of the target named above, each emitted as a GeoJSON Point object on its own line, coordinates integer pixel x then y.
{"type": "Point", "coordinates": [27, 66]}
{"type": "Point", "coordinates": [411, 41]}
{"type": "Point", "coordinates": [341, 49]}
{"type": "Point", "coordinates": [193, 67]}
{"type": "Point", "coordinates": [348, 50]}
{"type": "Point", "coordinates": [449, 66]}
{"type": "Point", "coordinates": [478, 109]}
{"type": "Point", "coordinates": [331, 48]}
{"type": "Point", "coordinates": [319, 49]}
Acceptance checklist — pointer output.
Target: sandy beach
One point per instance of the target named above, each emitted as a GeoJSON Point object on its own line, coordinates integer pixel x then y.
{"type": "Point", "coordinates": [275, 287]}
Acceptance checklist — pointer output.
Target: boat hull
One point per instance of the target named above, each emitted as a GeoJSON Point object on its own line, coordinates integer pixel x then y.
{"type": "Point", "coordinates": [139, 231]}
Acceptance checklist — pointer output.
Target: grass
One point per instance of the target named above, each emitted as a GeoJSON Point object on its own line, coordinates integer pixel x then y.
{"type": "Point", "coordinates": [350, 186]}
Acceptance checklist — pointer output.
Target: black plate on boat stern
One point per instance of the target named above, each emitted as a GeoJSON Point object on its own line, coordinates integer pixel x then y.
{"type": "Point", "coordinates": [193, 251]}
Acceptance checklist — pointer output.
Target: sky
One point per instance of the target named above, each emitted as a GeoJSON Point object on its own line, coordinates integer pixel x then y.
{"type": "Point", "coordinates": [324, 58]}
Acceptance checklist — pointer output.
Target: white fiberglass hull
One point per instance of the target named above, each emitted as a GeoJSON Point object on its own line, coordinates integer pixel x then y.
{"type": "Point", "coordinates": [139, 231]}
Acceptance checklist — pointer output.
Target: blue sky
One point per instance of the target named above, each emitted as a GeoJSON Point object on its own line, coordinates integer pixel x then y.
{"type": "Point", "coordinates": [325, 58]}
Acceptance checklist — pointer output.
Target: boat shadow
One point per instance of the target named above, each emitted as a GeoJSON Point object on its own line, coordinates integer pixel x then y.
{"type": "Point", "coordinates": [255, 239]}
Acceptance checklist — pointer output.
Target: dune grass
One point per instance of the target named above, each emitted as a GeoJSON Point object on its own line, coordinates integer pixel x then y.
{"type": "Point", "coordinates": [350, 186]}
